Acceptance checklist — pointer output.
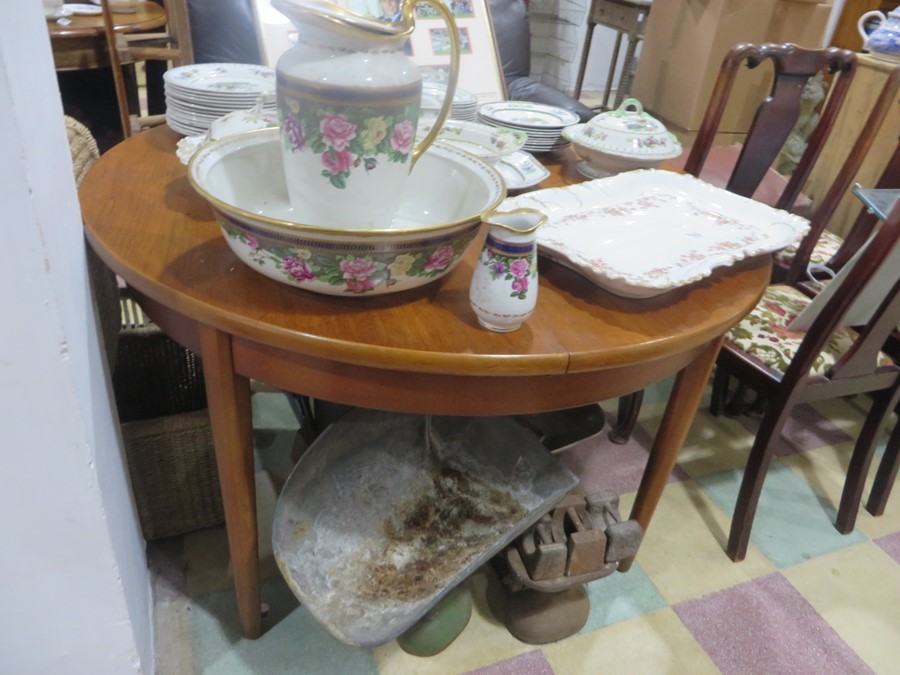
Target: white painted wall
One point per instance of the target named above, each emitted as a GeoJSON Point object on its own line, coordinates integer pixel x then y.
{"type": "Point", "coordinates": [558, 31]}
{"type": "Point", "coordinates": [74, 588]}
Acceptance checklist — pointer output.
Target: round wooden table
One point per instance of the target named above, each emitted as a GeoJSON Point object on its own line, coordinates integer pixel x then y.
{"type": "Point", "coordinates": [420, 351]}
{"type": "Point", "coordinates": [81, 44]}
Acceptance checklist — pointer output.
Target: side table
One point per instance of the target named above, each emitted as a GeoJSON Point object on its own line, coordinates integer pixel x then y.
{"type": "Point", "coordinates": [626, 17]}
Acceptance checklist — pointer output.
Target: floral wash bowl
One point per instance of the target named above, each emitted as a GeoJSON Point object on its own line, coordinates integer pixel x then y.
{"type": "Point", "coordinates": [241, 177]}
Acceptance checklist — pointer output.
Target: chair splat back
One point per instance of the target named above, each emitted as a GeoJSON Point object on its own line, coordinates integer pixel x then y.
{"type": "Point", "coordinates": [777, 115]}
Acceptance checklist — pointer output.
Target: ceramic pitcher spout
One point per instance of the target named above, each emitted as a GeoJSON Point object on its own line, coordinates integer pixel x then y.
{"type": "Point", "coordinates": [522, 221]}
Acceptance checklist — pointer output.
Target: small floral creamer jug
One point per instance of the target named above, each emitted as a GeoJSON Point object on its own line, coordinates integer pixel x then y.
{"type": "Point", "coordinates": [348, 103]}
{"type": "Point", "coordinates": [504, 287]}
{"type": "Point", "coordinates": [884, 41]}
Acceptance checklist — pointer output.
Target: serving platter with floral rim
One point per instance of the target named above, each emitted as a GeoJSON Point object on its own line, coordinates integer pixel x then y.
{"type": "Point", "coordinates": [484, 141]}
{"type": "Point", "coordinates": [642, 233]}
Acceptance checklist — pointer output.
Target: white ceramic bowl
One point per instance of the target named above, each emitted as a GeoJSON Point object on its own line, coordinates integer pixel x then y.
{"type": "Point", "coordinates": [623, 140]}
{"type": "Point", "coordinates": [484, 141]}
{"type": "Point", "coordinates": [241, 176]}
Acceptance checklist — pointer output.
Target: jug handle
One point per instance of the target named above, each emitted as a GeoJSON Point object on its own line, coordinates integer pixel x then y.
{"type": "Point", "coordinates": [861, 23]}
{"type": "Point", "coordinates": [447, 16]}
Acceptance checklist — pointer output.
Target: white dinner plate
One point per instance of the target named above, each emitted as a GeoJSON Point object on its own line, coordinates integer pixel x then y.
{"type": "Point", "coordinates": [225, 80]}
{"type": "Point", "coordinates": [527, 115]}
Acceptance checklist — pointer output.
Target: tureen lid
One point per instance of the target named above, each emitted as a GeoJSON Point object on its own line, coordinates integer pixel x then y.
{"type": "Point", "coordinates": [629, 132]}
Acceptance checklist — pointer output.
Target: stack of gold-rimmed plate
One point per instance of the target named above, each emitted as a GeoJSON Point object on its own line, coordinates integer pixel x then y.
{"type": "Point", "coordinates": [197, 95]}
{"type": "Point", "coordinates": [544, 124]}
{"type": "Point", "coordinates": [464, 106]}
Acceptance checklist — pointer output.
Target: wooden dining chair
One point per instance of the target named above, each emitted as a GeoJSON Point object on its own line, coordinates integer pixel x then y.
{"type": "Point", "coordinates": [775, 118]}
{"type": "Point", "coordinates": [173, 45]}
{"type": "Point", "coordinates": [789, 365]}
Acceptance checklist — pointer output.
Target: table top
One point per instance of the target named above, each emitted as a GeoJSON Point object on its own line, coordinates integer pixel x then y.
{"type": "Point", "coordinates": [147, 16]}
{"type": "Point", "coordinates": [147, 223]}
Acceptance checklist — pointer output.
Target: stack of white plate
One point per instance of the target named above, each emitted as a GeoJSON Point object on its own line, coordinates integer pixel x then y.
{"type": "Point", "coordinates": [464, 106]}
{"type": "Point", "coordinates": [197, 95]}
{"type": "Point", "coordinates": [543, 123]}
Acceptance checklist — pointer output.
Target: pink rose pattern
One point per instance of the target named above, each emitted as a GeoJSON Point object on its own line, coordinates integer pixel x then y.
{"type": "Point", "coordinates": [346, 140]}
{"type": "Point", "coordinates": [439, 259]}
{"type": "Point", "coordinates": [403, 136]}
{"type": "Point", "coordinates": [337, 162]}
{"type": "Point", "coordinates": [299, 269]}
{"type": "Point", "coordinates": [356, 274]}
{"type": "Point", "coordinates": [517, 270]}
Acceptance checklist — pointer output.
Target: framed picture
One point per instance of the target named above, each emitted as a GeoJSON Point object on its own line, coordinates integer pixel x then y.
{"type": "Point", "coordinates": [480, 73]}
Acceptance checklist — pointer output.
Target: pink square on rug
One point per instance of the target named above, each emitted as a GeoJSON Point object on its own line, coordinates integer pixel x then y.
{"type": "Point", "coordinates": [806, 429]}
{"type": "Point", "coordinates": [531, 663]}
{"type": "Point", "coordinates": [891, 545]}
{"type": "Point", "coordinates": [766, 626]}
{"type": "Point", "coordinates": [600, 464]}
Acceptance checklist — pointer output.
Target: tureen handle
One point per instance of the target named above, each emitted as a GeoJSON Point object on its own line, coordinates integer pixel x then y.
{"type": "Point", "coordinates": [632, 103]}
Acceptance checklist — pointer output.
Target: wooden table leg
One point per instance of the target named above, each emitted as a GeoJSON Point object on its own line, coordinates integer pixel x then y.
{"type": "Point", "coordinates": [228, 396]}
{"type": "Point", "coordinates": [680, 410]}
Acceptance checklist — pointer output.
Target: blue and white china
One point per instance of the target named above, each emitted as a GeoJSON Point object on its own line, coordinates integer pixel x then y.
{"type": "Point", "coordinates": [884, 41]}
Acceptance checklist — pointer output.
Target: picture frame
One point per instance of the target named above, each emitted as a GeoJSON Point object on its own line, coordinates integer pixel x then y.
{"type": "Point", "coordinates": [480, 73]}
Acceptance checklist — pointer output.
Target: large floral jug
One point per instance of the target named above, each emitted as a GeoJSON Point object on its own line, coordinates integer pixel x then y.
{"type": "Point", "coordinates": [348, 102]}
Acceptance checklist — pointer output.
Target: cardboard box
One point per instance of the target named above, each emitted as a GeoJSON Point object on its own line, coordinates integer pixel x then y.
{"type": "Point", "coordinates": [685, 43]}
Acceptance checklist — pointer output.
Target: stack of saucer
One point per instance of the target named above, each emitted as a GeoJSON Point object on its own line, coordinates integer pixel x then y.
{"type": "Point", "coordinates": [464, 106]}
{"type": "Point", "coordinates": [197, 95]}
{"type": "Point", "coordinates": [543, 123]}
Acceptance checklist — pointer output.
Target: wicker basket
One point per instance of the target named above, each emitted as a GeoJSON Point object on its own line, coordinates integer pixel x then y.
{"type": "Point", "coordinates": [161, 398]}
{"type": "Point", "coordinates": [173, 474]}
{"type": "Point", "coordinates": [154, 375]}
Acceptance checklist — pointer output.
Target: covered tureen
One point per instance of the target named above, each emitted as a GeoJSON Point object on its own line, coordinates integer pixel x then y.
{"type": "Point", "coordinates": [622, 140]}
